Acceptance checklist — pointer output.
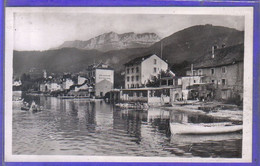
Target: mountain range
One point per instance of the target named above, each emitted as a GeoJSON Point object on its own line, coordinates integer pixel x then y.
{"type": "Point", "coordinates": [185, 45]}
{"type": "Point", "coordinates": [113, 41]}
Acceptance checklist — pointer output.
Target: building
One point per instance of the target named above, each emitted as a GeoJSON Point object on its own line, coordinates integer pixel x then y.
{"type": "Point", "coordinates": [81, 80]}
{"type": "Point", "coordinates": [44, 87]}
{"type": "Point", "coordinates": [150, 95]}
{"type": "Point", "coordinates": [50, 87]}
{"type": "Point", "coordinates": [101, 78]}
{"type": "Point", "coordinates": [67, 83]}
{"type": "Point", "coordinates": [53, 86]}
{"type": "Point", "coordinates": [187, 81]}
{"type": "Point", "coordinates": [139, 70]}
{"type": "Point", "coordinates": [224, 68]}
{"type": "Point", "coordinates": [36, 73]}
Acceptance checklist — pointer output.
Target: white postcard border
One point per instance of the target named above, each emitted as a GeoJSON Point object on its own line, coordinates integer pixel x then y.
{"type": "Point", "coordinates": [247, 12]}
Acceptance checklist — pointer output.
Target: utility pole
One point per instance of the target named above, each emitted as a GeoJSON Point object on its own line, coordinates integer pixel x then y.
{"type": "Point", "coordinates": [161, 50]}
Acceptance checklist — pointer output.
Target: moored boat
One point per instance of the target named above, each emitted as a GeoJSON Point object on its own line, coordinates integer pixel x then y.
{"type": "Point", "coordinates": [204, 128]}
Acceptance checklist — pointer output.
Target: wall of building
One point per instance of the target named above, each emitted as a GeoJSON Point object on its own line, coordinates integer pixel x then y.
{"type": "Point", "coordinates": [228, 79]}
{"type": "Point", "coordinates": [233, 76]}
{"type": "Point", "coordinates": [190, 80]}
{"type": "Point", "coordinates": [81, 80]}
{"type": "Point", "coordinates": [102, 87]}
{"type": "Point", "coordinates": [54, 87]}
{"type": "Point", "coordinates": [148, 65]}
{"type": "Point", "coordinates": [133, 72]}
{"type": "Point", "coordinates": [66, 84]}
{"type": "Point", "coordinates": [104, 74]}
{"type": "Point", "coordinates": [43, 87]}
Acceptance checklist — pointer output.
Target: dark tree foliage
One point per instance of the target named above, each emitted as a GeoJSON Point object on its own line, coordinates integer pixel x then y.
{"type": "Point", "coordinates": [155, 81]}
{"type": "Point", "coordinates": [180, 68]}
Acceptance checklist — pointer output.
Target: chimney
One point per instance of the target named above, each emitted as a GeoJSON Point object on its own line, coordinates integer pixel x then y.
{"type": "Point", "coordinates": [191, 69]}
{"type": "Point", "coordinates": [212, 52]}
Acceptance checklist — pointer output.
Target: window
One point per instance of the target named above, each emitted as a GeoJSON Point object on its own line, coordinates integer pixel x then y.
{"type": "Point", "coordinates": [170, 82]}
{"type": "Point", "coordinates": [164, 82]}
{"type": "Point", "coordinates": [155, 61]}
{"type": "Point", "coordinates": [132, 85]}
{"type": "Point", "coordinates": [212, 71]}
{"type": "Point", "coordinates": [213, 81]}
{"type": "Point", "coordinates": [194, 72]}
{"type": "Point", "coordinates": [137, 78]}
{"type": "Point", "coordinates": [137, 94]}
{"type": "Point", "coordinates": [132, 70]}
{"type": "Point", "coordinates": [127, 70]}
{"type": "Point", "coordinates": [200, 72]}
{"type": "Point", "coordinates": [137, 85]}
{"type": "Point", "coordinates": [137, 69]}
{"type": "Point", "coordinates": [132, 78]}
{"type": "Point", "coordinates": [154, 69]}
{"type": "Point", "coordinates": [127, 85]}
{"type": "Point", "coordinates": [127, 79]}
{"type": "Point", "coordinates": [194, 81]}
{"type": "Point", "coordinates": [224, 82]}
{"type": "Point", "coordinates": [223, 69]}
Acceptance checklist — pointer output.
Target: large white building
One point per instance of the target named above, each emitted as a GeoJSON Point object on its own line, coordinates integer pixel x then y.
{"type": "Point", "coordinates": [139, 70]}
{"type": "Point", "coordinates": [101, 78]}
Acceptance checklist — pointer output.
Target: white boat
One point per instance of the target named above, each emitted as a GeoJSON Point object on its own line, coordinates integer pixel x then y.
{"type": "Point", "coordinates": [204, 128]}
{"type": "Point", "coordinates": [190, 139]}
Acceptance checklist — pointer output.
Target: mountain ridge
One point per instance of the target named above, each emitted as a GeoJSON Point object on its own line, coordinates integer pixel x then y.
{"type": "Point", "coordinates": [113, 41]}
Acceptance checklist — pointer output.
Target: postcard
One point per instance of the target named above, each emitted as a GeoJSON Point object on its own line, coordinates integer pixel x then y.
{"type": "Point", "coordinates": [128, 84]}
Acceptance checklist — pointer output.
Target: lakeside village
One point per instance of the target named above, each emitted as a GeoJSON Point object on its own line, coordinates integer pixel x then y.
{"type": "Point", "coordinates": [212, 85]}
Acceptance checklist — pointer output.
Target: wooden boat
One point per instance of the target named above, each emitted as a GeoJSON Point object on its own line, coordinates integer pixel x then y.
{"type": "Point", "coordinates": [204, 128]}
{"type": "Point", "coordinates": [18, 100]}
{"type": "Point", "coordinates": [32, 108]}
{"type": "Point", "coordinates": [186, 139]}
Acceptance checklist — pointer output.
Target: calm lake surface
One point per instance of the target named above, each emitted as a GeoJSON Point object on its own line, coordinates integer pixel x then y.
{"type": "Point", "coordinates": [81, 127]}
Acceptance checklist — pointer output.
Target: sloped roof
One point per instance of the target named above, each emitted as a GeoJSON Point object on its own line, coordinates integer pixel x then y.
{"type": "Point", "coordinates": [100, 65]}
{"type": "Point", "coordinates": [138, 60]}
{"type": "Point", "coordinates": [222, 57]}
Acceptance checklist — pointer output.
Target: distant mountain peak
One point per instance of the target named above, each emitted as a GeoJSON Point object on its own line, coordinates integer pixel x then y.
{"type": "Point", "coordinates": [114, 41]}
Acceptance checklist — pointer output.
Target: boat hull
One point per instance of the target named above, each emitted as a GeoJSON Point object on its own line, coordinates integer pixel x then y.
{"type": "Point", "coordinates": [215, 128]}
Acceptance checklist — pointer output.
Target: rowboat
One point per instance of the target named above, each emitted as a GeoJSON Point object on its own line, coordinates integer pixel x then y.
{"type": "Point", "coordinates": [32, 108]}
{"type": "Point", "coordinates": [204, 128]}
{"type": "Point", "coordinates": [187, 139]}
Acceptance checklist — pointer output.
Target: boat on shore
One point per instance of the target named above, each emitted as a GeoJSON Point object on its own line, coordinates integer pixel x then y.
{"type": "Point", "coordinates": [204, 128]}
{"type": "Point", "coordinates": [18, 100]}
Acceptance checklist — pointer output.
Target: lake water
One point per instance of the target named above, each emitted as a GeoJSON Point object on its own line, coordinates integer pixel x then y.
{"type": "Point", "coordinates": [81, 127]}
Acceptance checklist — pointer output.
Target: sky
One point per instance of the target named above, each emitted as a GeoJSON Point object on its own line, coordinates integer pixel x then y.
{"type": "Point", "coordinates": [42, 31]}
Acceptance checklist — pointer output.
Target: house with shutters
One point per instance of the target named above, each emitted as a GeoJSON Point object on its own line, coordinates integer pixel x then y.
{"type": "Point", "coordinates": [224, 68]}
{"type": "Point", "coordinates": [139, 70]}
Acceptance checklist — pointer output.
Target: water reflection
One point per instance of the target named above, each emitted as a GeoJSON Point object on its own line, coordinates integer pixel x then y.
{"type": "Point", "coordinates": [81, 127]}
